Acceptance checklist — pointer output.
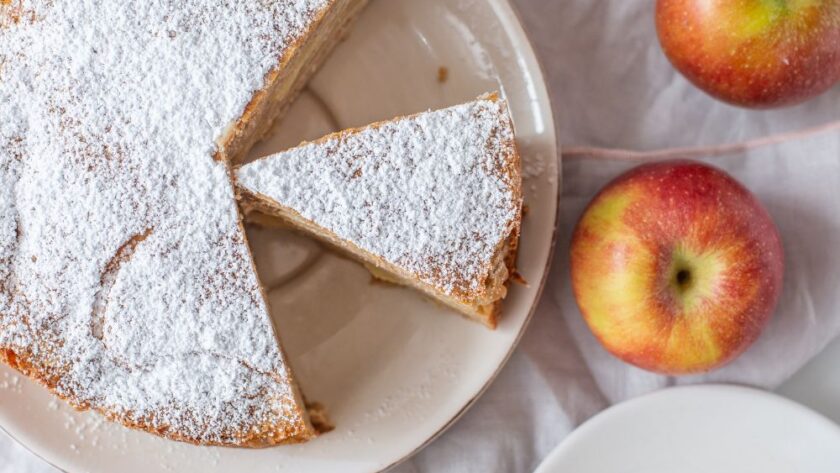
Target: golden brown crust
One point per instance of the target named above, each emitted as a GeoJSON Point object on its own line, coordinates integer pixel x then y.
{"type": "Point", "coordinates": [514, 175]}
{"type": "Point", "coordinates": [266, 436]}
{"type": "Point", "coordinates": [494, 310]}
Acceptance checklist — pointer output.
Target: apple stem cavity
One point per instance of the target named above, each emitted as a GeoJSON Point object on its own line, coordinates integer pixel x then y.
{"type": "Point", "coordinates": [683, 278]}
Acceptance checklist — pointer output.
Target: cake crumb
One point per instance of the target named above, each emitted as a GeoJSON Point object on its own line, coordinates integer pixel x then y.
{"type": "Point", "coordinates": [442, 74]}
{"type": "Point", "coordinates": [519, 279]}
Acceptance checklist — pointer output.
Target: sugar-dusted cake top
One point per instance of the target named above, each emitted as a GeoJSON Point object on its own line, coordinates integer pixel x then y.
{"type": "Point", "coordinates": [435, 193]}
{"type": "Point", "coordinates": [125, 279]}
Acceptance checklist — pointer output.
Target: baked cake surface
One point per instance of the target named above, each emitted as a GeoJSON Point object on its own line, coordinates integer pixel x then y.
{"type": "Point", "coordinates": [433, 200]}
{"type": "Point", "coordinates": [126, 283]}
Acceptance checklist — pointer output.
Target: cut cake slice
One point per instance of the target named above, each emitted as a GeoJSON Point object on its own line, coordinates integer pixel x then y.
{"type": "Point", "coordinates": [431, 200]}
{"type": "Point", "coordinates": [126, 281]}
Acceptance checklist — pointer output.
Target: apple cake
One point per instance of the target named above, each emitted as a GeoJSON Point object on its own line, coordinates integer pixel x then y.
{"type": "Point", "coordinates": [126, 282]}
{"type": "Point", "coordinates": [432, 201]}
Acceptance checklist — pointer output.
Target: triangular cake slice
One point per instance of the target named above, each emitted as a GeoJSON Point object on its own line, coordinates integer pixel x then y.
{"type": "Point", "coordinates": [432, 201]}
{"type": "Point", "coordinates": [126, 281]}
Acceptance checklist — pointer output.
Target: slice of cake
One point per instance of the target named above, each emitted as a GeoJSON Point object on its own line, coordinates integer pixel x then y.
{"type": "Point", "coordinates": [126, 282]}
{"type": "Point", "coordinates": [432, 201]}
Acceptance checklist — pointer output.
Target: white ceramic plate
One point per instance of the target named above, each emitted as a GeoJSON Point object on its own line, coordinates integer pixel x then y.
{"type": "Point", "coordinates": [701, 429]}
{"type": "Point", "coordinates": [393, 369]}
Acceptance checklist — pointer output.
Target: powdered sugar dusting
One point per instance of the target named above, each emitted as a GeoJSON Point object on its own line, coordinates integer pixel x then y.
{"type": "Point", "coordinates": [124, 275]}
{"type": "Point", "coordinates": [435, 193]}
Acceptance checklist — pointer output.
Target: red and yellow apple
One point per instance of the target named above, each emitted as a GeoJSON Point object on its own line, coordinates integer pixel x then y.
{"type": "Point", "coordinates": [754, 53]}
{"type": "Point", "coordinates": [676, 267]}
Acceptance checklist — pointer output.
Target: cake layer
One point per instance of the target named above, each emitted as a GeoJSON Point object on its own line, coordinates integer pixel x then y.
{"type": "Point", "coordinates": [126, 282]}
{"type": "Point", "coordinates": [432, 200]}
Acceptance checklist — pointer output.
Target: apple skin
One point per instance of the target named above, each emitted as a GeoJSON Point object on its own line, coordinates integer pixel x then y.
{"type": "Point", "coordinates": [676, 267]}
{"type": "Point", "coordinates": [753, 53]}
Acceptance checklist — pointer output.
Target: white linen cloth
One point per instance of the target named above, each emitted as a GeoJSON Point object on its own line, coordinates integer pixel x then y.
{"type": "Point", "coordinates": [613, 88]}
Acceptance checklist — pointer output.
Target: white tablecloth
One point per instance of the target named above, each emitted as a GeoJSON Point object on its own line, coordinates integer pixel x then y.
{"type": "Point", "coordinates": [613, 89]}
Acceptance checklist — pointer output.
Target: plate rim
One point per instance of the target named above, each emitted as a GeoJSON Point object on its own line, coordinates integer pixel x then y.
{"type": "Point", "coordinates": [504, 7]}
{"type": "Point", "coordinates": [729, 389]}
{"type": "Point", "coordinates": [28, 449]}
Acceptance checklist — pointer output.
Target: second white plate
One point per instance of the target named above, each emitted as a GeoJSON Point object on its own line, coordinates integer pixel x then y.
{"type": "Point", "coordinates": [701, 429]}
